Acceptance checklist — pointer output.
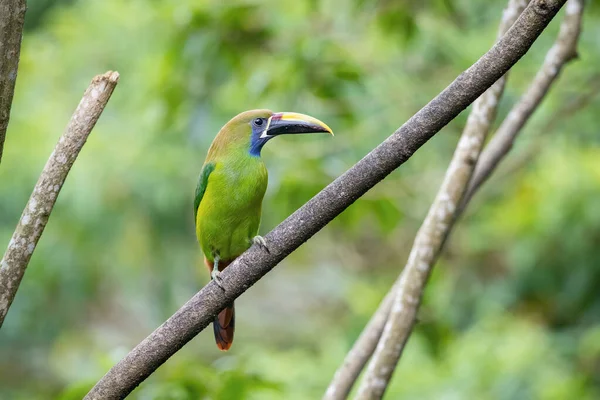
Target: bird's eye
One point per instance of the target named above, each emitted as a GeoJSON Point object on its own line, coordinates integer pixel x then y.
{"type": "Point", "coordinates": [258, 121]}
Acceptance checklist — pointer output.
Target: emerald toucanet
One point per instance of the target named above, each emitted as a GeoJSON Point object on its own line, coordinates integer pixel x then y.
{"type": "Point", "coordinates": [230, 191]}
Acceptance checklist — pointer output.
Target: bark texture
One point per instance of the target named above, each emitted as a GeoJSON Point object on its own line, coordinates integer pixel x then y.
{"type": "Point", "coordinates": [247, 269]}
{"type": "Point", "coordinates": [427, 246]}
{"type": "Point", "coordinates": [12, 17]}
{"type": "Point", "coordinates": [40, 204]}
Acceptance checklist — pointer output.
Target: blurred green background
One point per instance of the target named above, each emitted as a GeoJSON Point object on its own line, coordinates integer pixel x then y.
{"type": "Point", "coordinates": [512, 310]}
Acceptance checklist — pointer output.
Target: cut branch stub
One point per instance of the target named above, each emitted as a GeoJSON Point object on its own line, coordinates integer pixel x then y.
{"type": "Point", "coordinates": [40, 204]}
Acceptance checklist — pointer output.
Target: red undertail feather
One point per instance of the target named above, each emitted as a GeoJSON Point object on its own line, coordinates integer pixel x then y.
{"type": "Point", "coordinates": [224, 322]}
{"type": "Point", "coordinates": [224, 326]}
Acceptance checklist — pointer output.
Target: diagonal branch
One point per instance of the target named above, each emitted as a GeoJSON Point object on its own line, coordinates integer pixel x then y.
{"type": "Point", "coordinates": [365, 345]}
{"type": "Point", "coordinates": [429, 240]}
{"type": "Point", "coordinates": [12, 17]}
{"type": "Point", "coordinates": [361, 352]}
{"type": "Point", "coordinates": [247, 269]}
{"type": "Point", "coordinates": [40, 204]}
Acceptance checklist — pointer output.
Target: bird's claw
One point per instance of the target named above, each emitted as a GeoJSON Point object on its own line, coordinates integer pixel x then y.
{"type": "Point", "coordinates": [216, 276]}
{"type": "Point", "coordinates": [260, 241]}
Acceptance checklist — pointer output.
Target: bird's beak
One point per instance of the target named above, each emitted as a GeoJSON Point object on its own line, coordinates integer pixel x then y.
{"type": "Point", "coordinates": [288, 122]}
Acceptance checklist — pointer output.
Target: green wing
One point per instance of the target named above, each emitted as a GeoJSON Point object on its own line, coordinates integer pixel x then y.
{"type": "Point", "coordinates": [201, 188]}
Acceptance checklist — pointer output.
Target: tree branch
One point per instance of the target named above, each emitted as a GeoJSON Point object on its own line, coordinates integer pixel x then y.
{"type": "Point", "coordinates": [432, 236]}
{"type": "Point", "coordinates": [40, 204]}
{"type": "Point", "coordinates": [247, 269]}
{"type": "Point", "coordinates": [426, 248]}
{"type": "Point", "coordinates": [365, 345]}
{"type": "Point", "coordinates": [563, 51]}
{"type": "Point", "coordinates": [361, 352]}
{"type": "Point", "coordinates": [12, 17]}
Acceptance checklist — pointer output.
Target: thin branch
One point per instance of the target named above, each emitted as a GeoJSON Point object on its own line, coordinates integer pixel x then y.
{"type": "Point", "coordinates": [247, 269]}
{"type": "Point", "coordinates": [12, 17]}
{"type": "Point", "coordinates": [428, 243]}
{"type": "Point", "coordinates": [432, 235]}
{"type": "Point", "coordinates": [40, 204]}
{"type": "Point", "coordinates": [563, 51]}
{"type": "Point", "coordinates": [361, 352]}
{"type": "Point", "coordinates": [366, 342]}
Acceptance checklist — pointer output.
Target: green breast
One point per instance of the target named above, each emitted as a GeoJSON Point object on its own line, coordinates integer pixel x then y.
{"type": "Point", "coordinates": [228, 216]}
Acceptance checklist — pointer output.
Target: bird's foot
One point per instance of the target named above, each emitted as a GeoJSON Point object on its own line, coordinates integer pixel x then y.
{"type": "Point", "coordinates": [216, 276]}
{"type": "Point", "coordinates": [261, 242]}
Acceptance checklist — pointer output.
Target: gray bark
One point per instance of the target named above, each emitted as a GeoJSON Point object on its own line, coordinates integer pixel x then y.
{"type": "Point", "coordinates": [40, 204]}
{"type": "Point", "coordinates": [366, 343]}
{"type": "Point", "coordinates": [12, 17]}
{"type": "Point", "coordinates": [406, 294]}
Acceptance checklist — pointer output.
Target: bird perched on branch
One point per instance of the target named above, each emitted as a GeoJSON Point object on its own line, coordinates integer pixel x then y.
{"type": "Point", "coordinates": [230, 191]}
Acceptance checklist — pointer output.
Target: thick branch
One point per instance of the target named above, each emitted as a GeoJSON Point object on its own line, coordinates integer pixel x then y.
{"type": "Point", "coordinates": [12, 17]}
{"type": "Point", "coordinates": [563, 51]}
{"type": "Point", "coordinates": [247, 269]}
{"type": "Point", "coordinates": [40, 204]}
{"type": "Point", "coordinates": [427, 245]}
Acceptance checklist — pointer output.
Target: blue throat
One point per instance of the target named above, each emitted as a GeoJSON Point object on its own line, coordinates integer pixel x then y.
{"type": "Point", "coordinates": [256, 143]}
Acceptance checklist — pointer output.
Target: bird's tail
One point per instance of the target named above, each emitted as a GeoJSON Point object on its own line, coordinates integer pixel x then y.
{"type": "Point", "coordinates": [224, 326]}
{"type": "Point", "coordinates": [224, 322]}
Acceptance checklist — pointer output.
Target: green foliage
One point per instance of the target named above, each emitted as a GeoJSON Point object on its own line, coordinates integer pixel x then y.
{"type": "Point", "coordinates": [511, 312]}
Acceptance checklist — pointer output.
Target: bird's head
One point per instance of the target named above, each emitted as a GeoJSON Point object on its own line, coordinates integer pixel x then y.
{"type": "Point", "coordinates": [260, 126]}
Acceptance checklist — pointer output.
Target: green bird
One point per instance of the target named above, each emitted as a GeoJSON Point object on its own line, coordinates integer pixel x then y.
{"type": "Point", "coordinates": [230, 191]}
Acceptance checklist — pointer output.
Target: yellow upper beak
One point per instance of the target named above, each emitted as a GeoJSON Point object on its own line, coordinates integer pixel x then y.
{"type": "Point", "coordinates": [290, 122]}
